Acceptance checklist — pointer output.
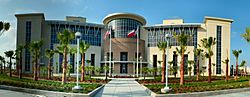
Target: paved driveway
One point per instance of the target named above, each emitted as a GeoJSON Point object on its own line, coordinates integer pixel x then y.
{"type": "Point", "coordinates": [122, 87]}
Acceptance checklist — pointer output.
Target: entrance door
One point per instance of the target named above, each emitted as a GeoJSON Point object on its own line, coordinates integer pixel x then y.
{"type": "Point", "coordinates": [124, 66]}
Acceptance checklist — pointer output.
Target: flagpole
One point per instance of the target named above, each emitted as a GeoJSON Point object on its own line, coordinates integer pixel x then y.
{"type": "Point", "coordinates": [110, 52]}
{"type": "Point", "coordinates": [137, 54]}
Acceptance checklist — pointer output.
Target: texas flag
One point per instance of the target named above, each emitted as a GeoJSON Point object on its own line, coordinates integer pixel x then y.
{"type": "Point", "coordinates": [106, 34]}
{"type": "Point", "coordinates": [132, 33]}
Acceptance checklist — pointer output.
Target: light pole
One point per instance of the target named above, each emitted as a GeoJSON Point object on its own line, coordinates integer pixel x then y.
{"type": "Point", "coordinates": [166, 88]}
{"type": "Point", "coordinates": [105, 67]}
{"type": "Point", "coordinates": [110, 64]}
{"type": "Point", "coordinates": [141, 66]}
{"type": "Point", "coordinates": [77, 87]}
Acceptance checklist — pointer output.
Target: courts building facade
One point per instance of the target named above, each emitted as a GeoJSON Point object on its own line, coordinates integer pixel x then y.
{"type": "Point", "coordinates": [34, 26]}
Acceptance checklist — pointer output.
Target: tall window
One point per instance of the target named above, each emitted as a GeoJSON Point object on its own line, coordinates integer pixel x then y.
{"type": "Point", "coordinates": [218, 50]}
{"type": "Point", "coordinates": [124, 66]}
{"type": "Point", "coordinates": [60, 62]}
{"type": "Point", "coordinates": [175, 61]}
{"type": "Point", "coordinates": [157, 34]}
{"type": "Point", "coordinates": [72, 62]}
{"type": "Point", "coordinates": [27, 39]}
{"type": "Point", "coordinates": [92, 59]}
{"type": "Point", "coordinates": [154, 60]}
{"type": "Point", "coordinates": [186, 64]}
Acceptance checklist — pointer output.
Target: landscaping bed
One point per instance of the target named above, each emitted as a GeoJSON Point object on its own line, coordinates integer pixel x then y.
{"type": "Point", "coordinates": [45, 84]}
{"type": "Point", "coordinates": [157, 80]}
{"type": "Point", "coordinates": [200, 86]}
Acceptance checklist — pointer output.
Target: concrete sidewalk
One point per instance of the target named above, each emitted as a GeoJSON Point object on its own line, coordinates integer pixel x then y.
{"type": "Point", "coordinates": [8, 93]}
{"type": "Point", "coordinates": [239, 94]}
{"type": "Point", "coordinates": [122, 87]}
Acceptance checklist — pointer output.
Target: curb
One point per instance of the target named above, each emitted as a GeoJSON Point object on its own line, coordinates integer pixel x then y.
{"type": "Point", "coordinates": [196, 94]}
{"type": "Point", "coordinates": [50, 93]}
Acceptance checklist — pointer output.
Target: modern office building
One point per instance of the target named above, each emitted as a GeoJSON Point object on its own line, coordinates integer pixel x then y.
{"type": "Point", "coordinates": [34, 26]}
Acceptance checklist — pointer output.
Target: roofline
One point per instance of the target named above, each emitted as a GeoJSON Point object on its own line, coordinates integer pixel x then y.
{"type": "Point", "coordinates": [109, 17]}
{"type": "Point", "coordinates": [219, 19]}
{"type": "Point", "coordinates": [70, 22]}
{"type": "Point", "coordinates": [30, 14]}
{"type": "Point", "coordinates": [174, 25]}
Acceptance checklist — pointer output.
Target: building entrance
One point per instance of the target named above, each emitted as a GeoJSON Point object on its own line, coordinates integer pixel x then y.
{"type": "Point", "coordinates": [123, 68]}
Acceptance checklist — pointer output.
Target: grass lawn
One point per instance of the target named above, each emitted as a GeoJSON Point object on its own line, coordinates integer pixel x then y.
{"type": "Point", "coordinates": [200, 86]}
{"type": "Point", "coordinates": [49, 85]}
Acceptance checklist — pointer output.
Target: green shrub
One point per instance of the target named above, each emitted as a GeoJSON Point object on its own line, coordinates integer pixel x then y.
{"type": "Point", "coordinates": [44, 84]}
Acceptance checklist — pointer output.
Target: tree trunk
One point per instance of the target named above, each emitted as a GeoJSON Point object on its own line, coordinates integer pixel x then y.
{"type": "Point", "coordinates": [1, 66]}
{"type": "Point", "coordinates": [49, 69]}
{"type": "Point", "coordinates": [83, 63]}
{"type": "Point", "coordinates": [190, 74]}
{"type": "Point", "coordinates": [64, 77]}
{"type": "Point", "coordinates": [35, 70]}
{"type": "Point", "coordinates": [245, 71]}
{"type": "Point", "coordinates": [163, 67]}
{"type": "Point", "coordinates": [20, 66]}
{"type": "Point", "coordinates": [236, 75]}
{"type": "Point", "coordinates": [10, 67]}
{"type": "Point", "coordinates": [17, 66]}
{"type": "Point", "coordinates": [227, 71]}
{"type": "Point", "coordinates": [209, 70]}
{"type": "Point", "coordinates": [182, 69]}
{"type": "Point", "coordinates": [4, 67]}
{"type": "Point", "coordinates": [144, 75]}
{"type": "Point", "coordinates": [197, 70]}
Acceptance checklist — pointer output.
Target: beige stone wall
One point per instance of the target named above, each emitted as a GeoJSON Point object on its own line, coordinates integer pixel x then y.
{"type": "Point", "coordinates": [37, 22]}
{"type": "Point", "coordinates": [155, 51]}
{"type": "Point", "coordinates": [211, 25]}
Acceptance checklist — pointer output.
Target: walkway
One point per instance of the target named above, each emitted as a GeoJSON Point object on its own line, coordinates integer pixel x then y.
{"type": "Point", "coordinates": [8, 93]}
{"type": "Point", "coordinates": [239, 94]}
{"type": "Point", "coordinates": [122, 87]}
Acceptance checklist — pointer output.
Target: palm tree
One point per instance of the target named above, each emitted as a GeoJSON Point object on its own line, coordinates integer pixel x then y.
{"type": "Point", "coordinates": [35, 48]}
{"type": "Point", "coordinates": [198, 53]}
{"type": "Point", "coordinates": [207, 43]}
{"type": "Point", "coordinates": [246, 35]}
{"type": "Point", "coordinates": [98, 70]}
{"type": "Point", "coordinates": [145, 70]}
{"type": "Point", "coordinates": [213, 64]}
{"type": "Point", "coordinates": [72, 51]}
{"type": "Point", "coordinates": [4, 27]}
{"type": "Point", "coordinates": [155, 69]}
{"type": "Point", "coordinates": [170, 67]}
{"type": "Point", "coordinates": [236, 53]}
{"type": "Point", "coordinates": [9, 54]}
{"type": "Point", "coordinates": [190, 62]}
{"type": "Point", "coordinates": [19, 54]}
{"type": "Point", "coordinates": [49, 54]}
{"type": "Point", "coordinates": [65, 37]}
{"type": "Point", "coordinates": [162, 46]}
{"type": "Point", "coordinates": [1, 65]}
{"type": "Point", "coordinates": [226, 62]}
{"type": "Point", "coordinates": [91, 69]}
{"type": "Point", "coordinates": [243, 64]}
{"type": "Point", "coordinates": [183, 40]}
{"type": "Point", "coordinates": [69, 67]}
{"type": "Point", "coordinates": [83, 48]}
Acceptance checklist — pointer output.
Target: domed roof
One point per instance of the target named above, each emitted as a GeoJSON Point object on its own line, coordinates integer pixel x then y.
{"type": "Point", "coordinates": [109, 17]}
